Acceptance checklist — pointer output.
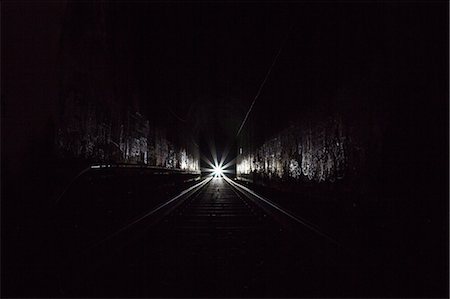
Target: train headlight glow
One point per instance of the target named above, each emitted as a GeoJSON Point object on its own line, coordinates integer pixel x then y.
{"type": "Point", "coordinates": [217, 171]}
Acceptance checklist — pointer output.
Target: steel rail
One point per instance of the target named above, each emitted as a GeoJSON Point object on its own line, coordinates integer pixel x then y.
{"type": "Point", "coordinates": [140, 218]}
{"type": "Point", "coordinates": [247, 192]}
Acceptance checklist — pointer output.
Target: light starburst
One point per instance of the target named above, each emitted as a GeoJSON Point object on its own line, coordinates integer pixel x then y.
{"type": "Point", "coordinates": [218, 169]}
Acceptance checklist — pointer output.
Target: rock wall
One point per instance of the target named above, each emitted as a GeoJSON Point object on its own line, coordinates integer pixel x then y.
{"type": "Point", "coordinates": [319, 145]}
{"type": "Point", "coordinates": [315, 152]}
{"type": "Point", "coordinates": [104, 114]}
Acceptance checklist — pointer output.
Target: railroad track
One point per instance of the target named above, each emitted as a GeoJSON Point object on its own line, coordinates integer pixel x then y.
{"type": "Point", "coordinates": [218, 240]}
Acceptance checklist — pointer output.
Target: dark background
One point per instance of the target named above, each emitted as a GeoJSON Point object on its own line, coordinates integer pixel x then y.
{"type": "Point", "coordinates": [199, 66]}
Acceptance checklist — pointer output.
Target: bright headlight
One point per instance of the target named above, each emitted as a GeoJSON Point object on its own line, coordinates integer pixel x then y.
{"type": "Point", "coordinates": [218, 171]}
